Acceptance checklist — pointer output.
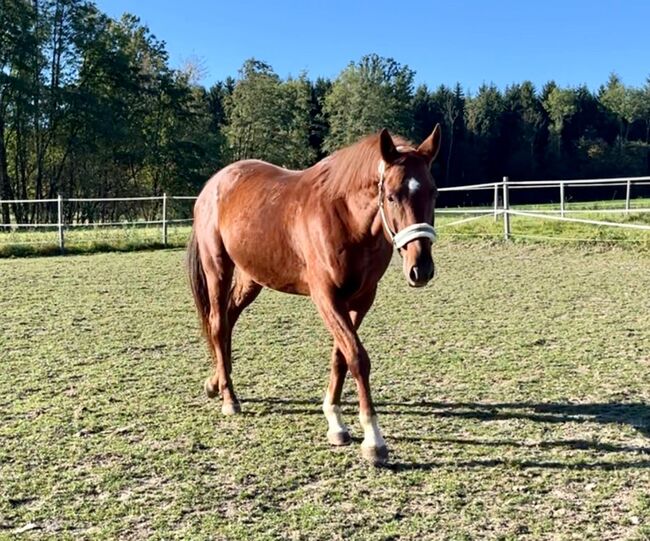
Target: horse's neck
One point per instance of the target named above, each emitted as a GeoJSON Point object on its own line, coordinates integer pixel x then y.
{"type": "Point", "coordinates": [358, 188]}
{"type": "Point", "coordinates": [363, 206]}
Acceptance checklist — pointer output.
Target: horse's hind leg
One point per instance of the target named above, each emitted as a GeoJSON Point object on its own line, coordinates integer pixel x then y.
{"type": "Point", "coordinates": [219, 268]}
{"type": "Point", "coordinates": [337, 431]}
{"type": "Point", "coordinates": [241, 294]}
{"type": "Point", "coordinates": [244, 291]}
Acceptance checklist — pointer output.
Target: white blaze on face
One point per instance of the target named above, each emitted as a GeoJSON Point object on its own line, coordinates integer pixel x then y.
{"type": "Point", "coordinates": [413, 185]}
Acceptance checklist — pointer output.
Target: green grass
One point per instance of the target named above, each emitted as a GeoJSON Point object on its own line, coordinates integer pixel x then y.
{"type": "Point", "coordinates": [86, 240]}
{"type": "Point", "coordinates": [513, 393]}
{"type": "Point", "coordinates": [548, 231]}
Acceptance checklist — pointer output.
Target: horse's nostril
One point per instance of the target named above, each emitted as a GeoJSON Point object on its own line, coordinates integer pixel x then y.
{"type": "Point", "coordinates": [414, 274]}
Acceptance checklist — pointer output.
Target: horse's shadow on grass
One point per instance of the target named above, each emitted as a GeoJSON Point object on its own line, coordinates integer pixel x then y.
{"type": "Point", "coordinates": [636, 415]}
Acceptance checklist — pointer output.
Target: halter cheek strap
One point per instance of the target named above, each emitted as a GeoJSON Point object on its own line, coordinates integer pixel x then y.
{"type": "Point", "coordinates": [409, 233]}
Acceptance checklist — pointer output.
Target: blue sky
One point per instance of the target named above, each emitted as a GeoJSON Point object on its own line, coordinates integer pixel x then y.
{"type": "Point", "coordinates": [473, 41]}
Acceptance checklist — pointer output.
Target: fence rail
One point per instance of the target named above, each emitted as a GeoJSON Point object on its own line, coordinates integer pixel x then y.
{"type": "Point", "coordinates": [500, 194]}
{"type": "Point", "coordinates": [61, 225]}
{"type": "Point", "coordinates": [505, 186]}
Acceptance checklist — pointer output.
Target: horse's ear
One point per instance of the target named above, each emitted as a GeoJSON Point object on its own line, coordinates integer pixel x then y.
{"type": "Point", "coordinates": [431, 145]}
{"type": "Point", "coordinates": [388, 151]}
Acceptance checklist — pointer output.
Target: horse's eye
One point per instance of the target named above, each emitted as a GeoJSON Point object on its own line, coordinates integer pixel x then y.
{"type": "Point", "coordinates": [391, 198]}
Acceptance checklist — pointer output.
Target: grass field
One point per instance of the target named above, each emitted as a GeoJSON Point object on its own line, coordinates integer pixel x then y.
{"type": "Point", "coordinates": [514, 393]}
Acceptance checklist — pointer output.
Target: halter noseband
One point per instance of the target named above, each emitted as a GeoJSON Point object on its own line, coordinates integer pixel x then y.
{"type": "Point", "coordinates": [409, 233]}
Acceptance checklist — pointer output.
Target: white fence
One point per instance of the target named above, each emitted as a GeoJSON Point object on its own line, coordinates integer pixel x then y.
{"type": "Point", "coordinates": [61, 225]}
{"type": "Point", "coordinates": [501, 192]}
{"type": "Point", "coordinates": [505, 186]}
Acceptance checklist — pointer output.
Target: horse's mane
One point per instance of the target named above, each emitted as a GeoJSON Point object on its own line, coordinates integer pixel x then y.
{"type": "Point", "coordinates": [353, 168]}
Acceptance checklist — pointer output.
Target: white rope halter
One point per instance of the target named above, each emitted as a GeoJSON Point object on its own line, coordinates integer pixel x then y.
{"type": "Point", "coordinates": [410, 232]}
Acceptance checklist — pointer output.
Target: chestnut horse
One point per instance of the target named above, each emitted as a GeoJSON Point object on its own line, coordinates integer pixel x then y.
{"type": "Point", "coordinates": [327, 232]}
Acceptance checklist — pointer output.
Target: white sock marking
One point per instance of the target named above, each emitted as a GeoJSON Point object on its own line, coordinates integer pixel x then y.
{"type": "Point", "coordinates": [334, 419]}
{"type": "Point", "coordinates": [371, 433]}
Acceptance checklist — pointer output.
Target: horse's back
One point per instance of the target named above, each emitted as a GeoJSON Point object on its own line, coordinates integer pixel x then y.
{"type": "Point", "coordinates": [238, 176]}
{"type": "Point", "coordinates": [240, 183]}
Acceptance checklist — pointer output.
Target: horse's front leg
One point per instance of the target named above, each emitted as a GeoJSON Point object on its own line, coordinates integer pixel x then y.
{"type": "Point", "coordinates": [373, 446]}
{"type": "Point", "coordinates": [338, 320]}
{"type": "Point", "coordinates": [337, 433]}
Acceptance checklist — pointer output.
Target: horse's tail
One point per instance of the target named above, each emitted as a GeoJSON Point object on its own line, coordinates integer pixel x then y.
{"type": "Point", "coordinates": [198, 282]}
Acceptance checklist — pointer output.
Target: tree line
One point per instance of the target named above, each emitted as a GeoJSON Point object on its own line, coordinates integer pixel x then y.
{"type": "Point", "coordinates": [90, 107]}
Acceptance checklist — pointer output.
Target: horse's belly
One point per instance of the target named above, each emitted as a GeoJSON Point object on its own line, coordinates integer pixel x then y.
{"type": "Point", "coordinates": [272, 269]}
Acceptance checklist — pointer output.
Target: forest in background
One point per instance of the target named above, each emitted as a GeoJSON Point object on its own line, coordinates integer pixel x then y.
{"type": "Point", "coordinates": [90, 107]}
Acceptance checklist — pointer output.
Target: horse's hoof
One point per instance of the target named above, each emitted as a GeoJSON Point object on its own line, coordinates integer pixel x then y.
{"type": "Point", "coordinates": [378, 456]}
{"type": "Point", "coordinates": [230, 408]}
{"type": "Point", "coordinates": [210, 390]}
{"type": "Point", "coordinates": [339, 438]}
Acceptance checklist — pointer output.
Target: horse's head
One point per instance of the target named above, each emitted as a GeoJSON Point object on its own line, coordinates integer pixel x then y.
{"type": "Point", "coordinates": [407, 197]}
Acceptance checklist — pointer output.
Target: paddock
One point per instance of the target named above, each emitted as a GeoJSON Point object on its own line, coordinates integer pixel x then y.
{"type": "Point", "coordinates": [525, 417]}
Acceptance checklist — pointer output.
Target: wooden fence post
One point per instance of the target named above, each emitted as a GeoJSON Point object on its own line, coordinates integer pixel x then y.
{"type": "Point", "coordinates": [506, 210]}
{"type": "Point", "coordinates": [628, 190]}
{"type": "Point", "coordinates": [496, 201]}
{"type": "Point", "coordinates": [562, 198]}
{"type": "Point", "coordinates": [60, 223]}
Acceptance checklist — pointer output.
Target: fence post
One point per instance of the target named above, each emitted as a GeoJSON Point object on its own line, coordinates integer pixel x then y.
{"type": "Point", "coordinates": [506, 210]}
{"type": "Point", "coordinates": [628, 190]}
{"type": "Point", "coordinates": [164, 219]}
{"type": "Point", "coordinates": [562, 198]}
{"type": "Point", "coordinates": [496, 201]}
{"type": "Point", "coordinates": [59, 206]}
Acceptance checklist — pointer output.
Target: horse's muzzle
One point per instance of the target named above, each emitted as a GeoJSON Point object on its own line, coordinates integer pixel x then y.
{"type": "Point", "coordinates": [421, 274]}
